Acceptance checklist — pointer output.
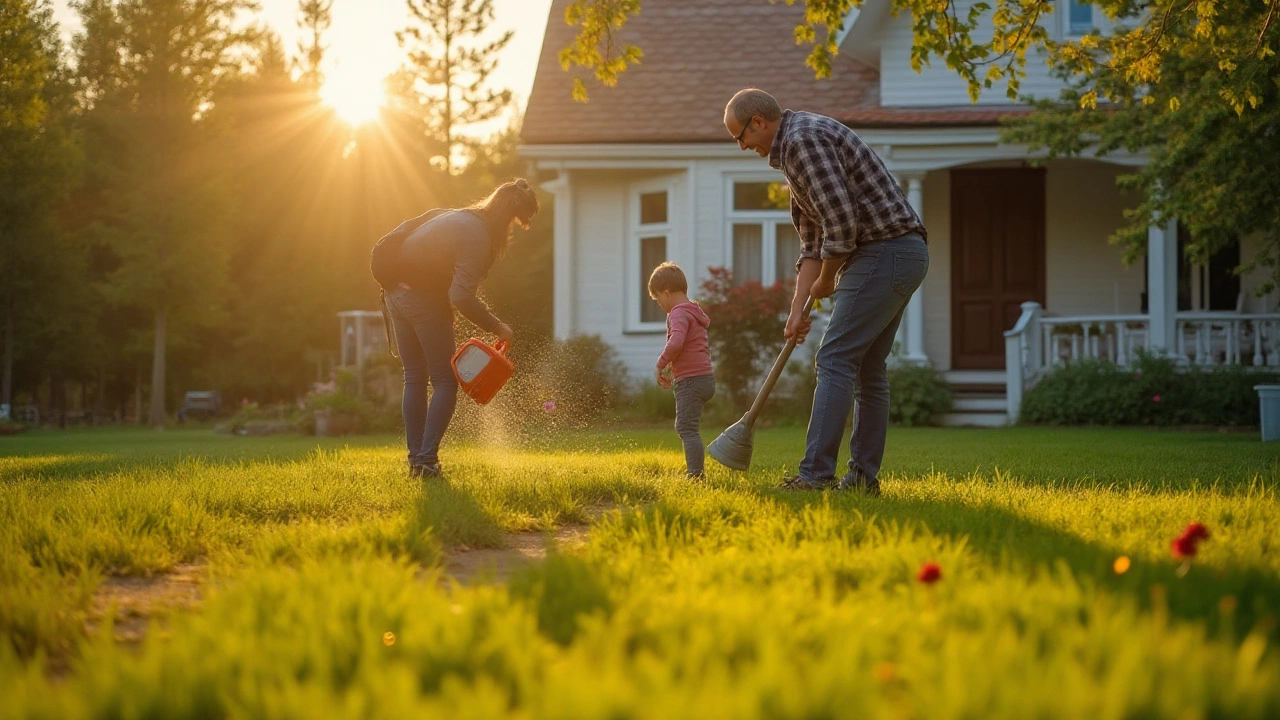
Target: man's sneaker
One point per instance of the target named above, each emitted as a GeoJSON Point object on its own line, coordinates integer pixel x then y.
{"type": "Point", "coordinates": [425, 471]}
{"type": "Point", "coordinates": [801, 483]}
{"type": "Point", "coordinates": [859, 484]}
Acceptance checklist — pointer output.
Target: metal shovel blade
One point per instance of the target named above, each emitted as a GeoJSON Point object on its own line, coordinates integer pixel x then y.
{"type": "Point", "coordinates": [733, 448]}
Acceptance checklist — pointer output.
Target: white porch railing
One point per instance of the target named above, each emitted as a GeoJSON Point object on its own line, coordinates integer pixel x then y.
{"type": "Point", "coordinates": [1040, 342]}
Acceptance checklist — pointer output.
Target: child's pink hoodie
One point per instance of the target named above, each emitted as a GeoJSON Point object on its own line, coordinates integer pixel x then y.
{"type": "Point", "coordinates": [686, 349]}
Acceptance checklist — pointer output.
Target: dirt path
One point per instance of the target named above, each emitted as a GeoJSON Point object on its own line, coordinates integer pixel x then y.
{"type": "Point", "coordinates": [139, 600]}
{"type": "Point", "coordinates": [496, 565]}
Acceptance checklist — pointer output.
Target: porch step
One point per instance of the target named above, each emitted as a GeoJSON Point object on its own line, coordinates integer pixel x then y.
{"type": "Point", "coordinates": [979, 402]}
{"type": "Point", "coordinates": [979, 399]}
{"type": "Point", "coordinates": [975, 377]}
{"type": "Point", "coordinates": [973, 419]}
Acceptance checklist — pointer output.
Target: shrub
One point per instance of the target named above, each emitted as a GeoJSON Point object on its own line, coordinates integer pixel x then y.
{"type": "Point", "coordinates": [1151, 392]}
{"type": "Point", "coordinates": [650, 403]}
{"type": "Point", "coordinates": [746, 331]}
{"type": "Point", "coordinates": [916, 394]}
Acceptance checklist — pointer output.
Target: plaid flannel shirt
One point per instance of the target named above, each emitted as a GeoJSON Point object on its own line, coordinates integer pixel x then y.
{"type": "Point", "coordinates": [842, 195]}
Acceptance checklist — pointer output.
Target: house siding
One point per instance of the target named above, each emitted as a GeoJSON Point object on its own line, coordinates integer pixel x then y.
{"type": "Point", "coordinates": [900, 86]}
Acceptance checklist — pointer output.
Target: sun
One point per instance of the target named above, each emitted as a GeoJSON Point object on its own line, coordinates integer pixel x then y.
{"type": "Point", "coordinates": [356, 97]}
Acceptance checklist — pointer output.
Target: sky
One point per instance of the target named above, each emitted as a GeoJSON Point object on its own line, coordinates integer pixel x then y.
{"type": "Point", "coordinates": [362, 44]}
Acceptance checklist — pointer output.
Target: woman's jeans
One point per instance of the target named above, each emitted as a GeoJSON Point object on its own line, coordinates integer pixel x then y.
{"type": "Point", "coordinates": [692, 393]}
{"type": "Point", "coordinates": [869, 300]}
{"type": "Point", "coordinates": [424, 337]}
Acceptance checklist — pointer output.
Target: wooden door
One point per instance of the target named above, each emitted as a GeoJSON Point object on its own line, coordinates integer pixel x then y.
{"type": "Point", "coordinates": [997, 259]}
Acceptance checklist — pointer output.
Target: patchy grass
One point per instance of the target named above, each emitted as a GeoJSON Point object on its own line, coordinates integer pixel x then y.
{"type": "Point", "coordinates": [326, 590]}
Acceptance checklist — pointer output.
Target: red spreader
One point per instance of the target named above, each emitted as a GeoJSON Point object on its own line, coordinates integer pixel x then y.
{"type": "Point", "coordinates": [482, 370]}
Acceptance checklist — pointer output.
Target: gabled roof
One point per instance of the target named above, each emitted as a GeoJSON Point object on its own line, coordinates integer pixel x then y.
{"type": "Point", "coordinates": [697, 54]}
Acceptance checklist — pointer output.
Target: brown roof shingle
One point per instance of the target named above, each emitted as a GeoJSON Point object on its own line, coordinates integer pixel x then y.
{"type": "Point", "coordinates": [697, 54]}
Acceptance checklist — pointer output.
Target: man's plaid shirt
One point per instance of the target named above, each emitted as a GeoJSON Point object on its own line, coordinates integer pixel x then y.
{"type": "Point", "coordinates": [842, 195]}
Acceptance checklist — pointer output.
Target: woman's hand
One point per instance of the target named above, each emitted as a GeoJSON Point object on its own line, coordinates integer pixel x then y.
{"type": "Point", "coordinates": [504, 333]}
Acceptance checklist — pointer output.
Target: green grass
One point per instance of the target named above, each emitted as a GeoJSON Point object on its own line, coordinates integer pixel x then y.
{"type": "Point", "coordinates": [724, 599]}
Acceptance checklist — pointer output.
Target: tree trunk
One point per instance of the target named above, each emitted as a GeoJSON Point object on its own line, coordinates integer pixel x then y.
{"type": "Point", "coordinates": [137, 396]}
{"type": "Point", "coordinates": [100, 397]}
{"type": "Point", "coordinates": [156, 419]}
{"type": "Point", "coordinates": [6, 394]}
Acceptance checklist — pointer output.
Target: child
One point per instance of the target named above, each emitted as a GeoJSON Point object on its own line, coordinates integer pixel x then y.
{"type": "Point", "coordinates": [688, 357]}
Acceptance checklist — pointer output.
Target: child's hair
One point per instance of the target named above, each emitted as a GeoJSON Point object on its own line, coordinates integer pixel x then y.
{"type": "Point", "coordinates": [667, 276]}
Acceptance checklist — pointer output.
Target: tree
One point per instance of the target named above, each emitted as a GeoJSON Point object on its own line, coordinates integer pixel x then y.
{"type": "Point", "coordinates": [1194, 82]}
{"type": "Point", "coordinates": [147, 71]}
{"type": "Point", "coordinates": [443, 84]}
{"type": "Point", "coordinates": [314, 19]}
{"type": "Point", "coordinates": [36, 170]}
{"type": "Point", "coordinates": [1206, 122]}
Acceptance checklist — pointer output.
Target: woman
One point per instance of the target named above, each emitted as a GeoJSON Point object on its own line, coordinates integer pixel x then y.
{"type": "Point", "coordinates": [445, 260]}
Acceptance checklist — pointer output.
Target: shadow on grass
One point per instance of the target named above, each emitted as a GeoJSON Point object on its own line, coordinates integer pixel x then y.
{"type": "Point", "coordinates": [1006, 539]}
{"type": "Point", "coordinates": [452, 517]}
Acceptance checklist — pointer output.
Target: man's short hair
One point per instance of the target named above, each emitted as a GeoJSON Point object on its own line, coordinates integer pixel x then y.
{"type": "Point", "coordinates": [667, 276]}
{"type": "Point", "coordinates": [748, 103]}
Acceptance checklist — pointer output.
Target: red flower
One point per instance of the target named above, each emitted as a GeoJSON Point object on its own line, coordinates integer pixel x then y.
{"type": "Point", "coordinates": [930, 573]}
{"type": "Point", "coordinates": [1196, 531]}
{"type": "Point", "coordinates": [1155, 398]}
{"type": "Point", "coordinates": [1183, 547]}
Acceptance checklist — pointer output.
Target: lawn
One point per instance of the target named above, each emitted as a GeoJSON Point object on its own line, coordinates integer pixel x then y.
{"type": "Point", "coordinates": [576, 574]}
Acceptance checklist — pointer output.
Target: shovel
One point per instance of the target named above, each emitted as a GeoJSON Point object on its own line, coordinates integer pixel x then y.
{"type": "Point", "coordinates": [733, 448]}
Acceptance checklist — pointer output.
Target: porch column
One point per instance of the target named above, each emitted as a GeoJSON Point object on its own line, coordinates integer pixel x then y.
{"type": "Point", "coordinates": [564, 288]}
{"type": "Point", "coordinates": [915, 307]}
{"type": "Point", "coordinates": [1162, 286]}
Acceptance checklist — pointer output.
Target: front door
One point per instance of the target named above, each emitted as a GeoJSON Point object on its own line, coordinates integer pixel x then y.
{"type": "Point", "coordinates": [997, 259]}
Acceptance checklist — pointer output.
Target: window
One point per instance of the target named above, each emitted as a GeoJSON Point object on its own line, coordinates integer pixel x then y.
{"type": "Point", "coordinates": [1079, 18]}
{"type": "Point", "coordinates": [653, 208]}
{"type": "Point", "coordinates": [1212, 286]}
{"type": "Point", "coordinates": [650, 246]}
{"type": "Point", "coordinates": [653, 252]}
{"type": "Point", "coordinates": [748, 253]}
{"type": "Point", "coordinates": [763, 244]}
{"type": "Point", "coordinates": [787, 242]}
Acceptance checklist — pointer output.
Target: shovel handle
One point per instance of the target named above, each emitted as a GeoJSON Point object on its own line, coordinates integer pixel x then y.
{"type": "Point", "coordinates": [776, 370]}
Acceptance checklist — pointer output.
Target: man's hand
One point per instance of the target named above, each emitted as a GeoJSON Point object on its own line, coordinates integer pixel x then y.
{"type": "Point", "coordinates": [664, 382]}
{"type": "Point", "coordinates": [504, 333]}
{"type": "Point", "coordinates": [797, 326]}
{"type": "Point", "coordinates": [823, 287]}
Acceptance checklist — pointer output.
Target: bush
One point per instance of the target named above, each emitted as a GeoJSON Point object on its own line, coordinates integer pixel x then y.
{"type": "Point", "coordinates": [916, 394]}
{"type": "Point", "coordinates": [746, 331]}
{"type": "Point", "coordinates": [1152, 392]}
{"type": "Point", "coordinates": [650, 403]}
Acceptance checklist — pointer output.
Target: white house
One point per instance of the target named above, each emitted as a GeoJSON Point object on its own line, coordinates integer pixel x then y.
{"type": "Point", "coordinates": [1022, 276]}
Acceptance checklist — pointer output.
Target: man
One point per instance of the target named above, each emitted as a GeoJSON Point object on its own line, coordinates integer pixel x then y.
{"type": "Point", "coordinates": [862, 243]}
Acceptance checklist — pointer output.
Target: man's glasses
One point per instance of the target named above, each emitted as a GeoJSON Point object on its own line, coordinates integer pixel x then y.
{"type": "Point", "coordinates": [738, 138]}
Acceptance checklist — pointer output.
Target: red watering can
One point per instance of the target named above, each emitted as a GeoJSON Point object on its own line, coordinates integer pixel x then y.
{"type": "Point", "coordinates": [482, 370]}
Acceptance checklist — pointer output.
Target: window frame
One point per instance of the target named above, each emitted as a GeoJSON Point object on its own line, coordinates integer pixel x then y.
{"type": "Point", "coordinates": [632, 285]}
{"type": "Point", "coordinates": [767, 219]}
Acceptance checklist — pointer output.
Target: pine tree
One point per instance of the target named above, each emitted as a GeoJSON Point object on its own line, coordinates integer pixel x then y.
{"type": "Point", "coordinates": [444, 83]}
{"type": "Point", "coordinates": [315, 17]}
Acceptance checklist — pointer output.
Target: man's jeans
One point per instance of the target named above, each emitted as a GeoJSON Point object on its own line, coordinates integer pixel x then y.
{"type": "Point", "coordinates": [692, 394]}
{"type": "Point", "coordinates": [869, 300]}
{"type": "Point", "coordinates": [424, 336]}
